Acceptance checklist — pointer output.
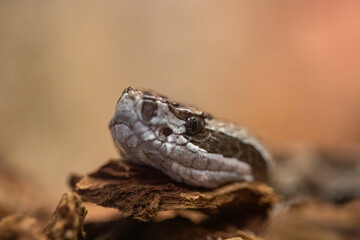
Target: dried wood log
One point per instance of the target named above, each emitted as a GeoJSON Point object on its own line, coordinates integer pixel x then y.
{"type": "Point", "coordinates": [313, 219]}
{"type": "Point", "coordinates": [67, 221]}
{"type": "Point", "coordinates": [142, 192]}
{"type": "Point", "coordinates": [20, 227]}
{"type": "Point", "coordinates": [325, 173]}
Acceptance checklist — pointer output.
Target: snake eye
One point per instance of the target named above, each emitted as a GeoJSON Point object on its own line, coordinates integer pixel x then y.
{"type": "Point", "coordinates": [194, 125]}
{"type": "Point", "coordinates": [148, 110]}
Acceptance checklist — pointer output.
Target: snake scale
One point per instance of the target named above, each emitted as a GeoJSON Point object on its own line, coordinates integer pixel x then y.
{"type": "Point", "coordinates": [185, 143]}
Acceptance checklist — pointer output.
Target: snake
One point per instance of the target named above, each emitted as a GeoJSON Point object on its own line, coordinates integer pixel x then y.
{"type": "Point", "coordinates": [185, 143]}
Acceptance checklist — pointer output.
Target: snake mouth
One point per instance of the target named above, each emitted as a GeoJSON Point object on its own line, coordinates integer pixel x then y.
{"type": "Point", "coordinates": [113, 122]}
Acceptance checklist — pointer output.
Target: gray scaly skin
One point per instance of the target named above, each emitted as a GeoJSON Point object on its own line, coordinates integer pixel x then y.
{"type": "Point", "coordinates": [185, 143]}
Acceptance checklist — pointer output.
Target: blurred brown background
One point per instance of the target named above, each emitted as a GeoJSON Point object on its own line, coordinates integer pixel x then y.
{"type": "Point", "coordinates": [289, 70]}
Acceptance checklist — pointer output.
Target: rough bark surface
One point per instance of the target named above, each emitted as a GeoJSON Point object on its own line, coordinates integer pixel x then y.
{"type": "Point", "coordinates": [67, 221]}
{"type": "Point", "coordinates": [331, 175]}
{"type": "Point", "coordinates": [317, 220]}
{"type": "Point", "coordinates": [169, 210]}
{"type": "Point", "coordinates": [142, 192]}
{"type": "Point", "coordinates": [20, 227]}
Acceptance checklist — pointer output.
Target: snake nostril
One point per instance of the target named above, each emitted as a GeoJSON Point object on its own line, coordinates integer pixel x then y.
{"type": "Point", "coordinates": [167, 131]}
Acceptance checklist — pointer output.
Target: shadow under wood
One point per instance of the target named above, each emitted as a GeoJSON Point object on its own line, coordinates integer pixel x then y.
{"type": "Point", "coordinates": [176, 228]}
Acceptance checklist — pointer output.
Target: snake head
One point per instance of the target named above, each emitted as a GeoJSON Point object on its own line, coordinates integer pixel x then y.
{"type": "Point", "coordinates": [180, 140]}
{"type": "Point", "coordinates": [148, 114]}
{"type": "Point", "coordinates": [145, 128]}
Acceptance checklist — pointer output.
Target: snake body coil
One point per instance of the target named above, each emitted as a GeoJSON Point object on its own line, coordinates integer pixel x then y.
{"type": "Point", "coordinates": [184, 143]}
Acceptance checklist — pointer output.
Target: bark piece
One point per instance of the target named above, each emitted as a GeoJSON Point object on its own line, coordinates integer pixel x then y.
{"type": "Point", "coordinates": [317, 220]}
{"type": "Point", "coordinates": [142, 192]}
{"type": "Point", "coordinates": [67, 221]}
{"type": "Point", "coordinates": [20, 227]}
{"type": "Point", "coordinates": [326, 173]}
